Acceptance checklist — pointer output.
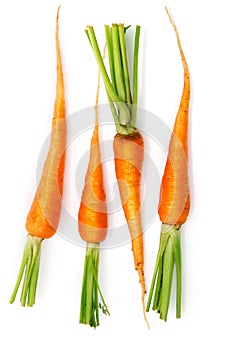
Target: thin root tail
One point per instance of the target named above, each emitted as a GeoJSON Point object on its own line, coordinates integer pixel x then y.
{"type": "Point", "coordinates": [142, 282]}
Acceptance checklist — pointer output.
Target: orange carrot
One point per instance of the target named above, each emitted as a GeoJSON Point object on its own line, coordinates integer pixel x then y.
{"type": "Point", "coordinates": [44, 215]}
{"type": "Point", "coordinates": [92, 217]}
{"type": "Point", "coordinates": [128, 142]}
{"type": "Point", "coordinates": [92, 224]}
{"type": "Point", "coordinates": [174, 203]}
{"type": "Point", "coordinates": [129, 154]}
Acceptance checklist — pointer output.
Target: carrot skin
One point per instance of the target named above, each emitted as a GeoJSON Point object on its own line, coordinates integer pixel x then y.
{"type": "Point", "coordinates": [92, 224]}
{"type": "Point", "coordinates": [129, 154]}
{"type": "Point", "coordinates": [92, 216]}
{"type": "Point", "coordinates": [174, 203]}
{"type": "Point", "coordinates": [128, 142]}
{"type": "Point", "coordinates": [44, 215]}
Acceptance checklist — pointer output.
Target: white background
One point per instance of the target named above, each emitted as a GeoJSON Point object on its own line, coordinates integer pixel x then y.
{"type": "Point", "coordinates": [27, 88]}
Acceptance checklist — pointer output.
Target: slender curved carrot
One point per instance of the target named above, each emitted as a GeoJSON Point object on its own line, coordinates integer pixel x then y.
{"type": "Point", "coordinates": [128, 142]}
{"type": "Point", "coordinates": [174, 203]}
{"type": "Point", "coordinates": [175, 197]}
{"type": "Point", "coordinates": [93, 223]}
{"type": "Point", "coordinates": [44, 215]}
{"type": "Point", "coordinates": [129, 154]}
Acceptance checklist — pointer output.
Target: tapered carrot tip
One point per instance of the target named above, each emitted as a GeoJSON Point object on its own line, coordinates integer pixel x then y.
{"type": "Point", "coordinates": [58, 10]}
{"type": "Point", "coordinates": [142, 282]}
{"type": "Point", "coordinates": [129, 153]}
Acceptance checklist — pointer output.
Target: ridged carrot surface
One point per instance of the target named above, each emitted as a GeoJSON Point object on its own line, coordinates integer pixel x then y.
{"type": "Point", "coordinates": [129, 154]}
{"type": "Point", "coordinates": [92, 217]}
{"type": "Point", "coordinates": [128, 142]}
{"type": "Point", "coordinates": [44, 215]}
{"type": "Point", "coordinates": [93, 224]}
{"type": "Point", "coordinates": [174, 204]}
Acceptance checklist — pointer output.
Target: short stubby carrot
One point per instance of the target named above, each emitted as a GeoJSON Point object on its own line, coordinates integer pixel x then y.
{"type": "Point", "coordinates": [93, 224]}
{"type": "Point", "coordinates": [43, 217]}
{"type": "Point", "coordinates": [128, 142]}
{"type": "Point", "coordinates": [174, 204]}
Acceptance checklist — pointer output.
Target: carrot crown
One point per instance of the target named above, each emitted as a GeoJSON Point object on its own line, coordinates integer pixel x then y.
{"type": "Point", "coordinates": [122, 95]}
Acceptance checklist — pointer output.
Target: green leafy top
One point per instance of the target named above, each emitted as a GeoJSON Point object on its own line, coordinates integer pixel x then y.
{"type": "Point", "coordinates": [122, 95]}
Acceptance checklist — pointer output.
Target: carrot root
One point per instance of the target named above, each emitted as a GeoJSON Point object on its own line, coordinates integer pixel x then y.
{"type": "Point", "coordinates": [28, 271]}
{"type": "Point", "coordinates": [142, 282]}
{"type": "Point", "coordinates": [89, 308]}
{"type": "Point", "coordinates": [169, 256]}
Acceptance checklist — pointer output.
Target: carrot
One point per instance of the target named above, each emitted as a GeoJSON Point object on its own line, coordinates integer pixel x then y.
{"type": "Point", "coordinates": [174, 204]}
{"type": "Point", "coordinates": [129, 154]}
{"type": "Point", "coordinates": [92, 224]}
{"type": "Point", "coordinates": [128, 142]}
{"type": "Point", "coordinates": [44, 214]}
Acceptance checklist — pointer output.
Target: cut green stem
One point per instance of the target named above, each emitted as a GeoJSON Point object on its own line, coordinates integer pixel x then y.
{"type": "Point", "coordinates": [29, 269]}
{"type": "Point", "coordinates": [124, 113]}
{"type": "Point", "coordinates": [169, 255]}
{"type": "Point", "coordinates": [89, 308]}
{"type": "Point", "coordinates": [118, 86]}
{"type": "Point", "coordinates": [93, 41]}
{"type": "Point", "coordinates": [122, 41]}
{"type": "Point", "coordinates": [118, 66]}
{"type": "Point", "coordinates": [108, 37]}
{"type": "Point", "coordinates": [135, 75]}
